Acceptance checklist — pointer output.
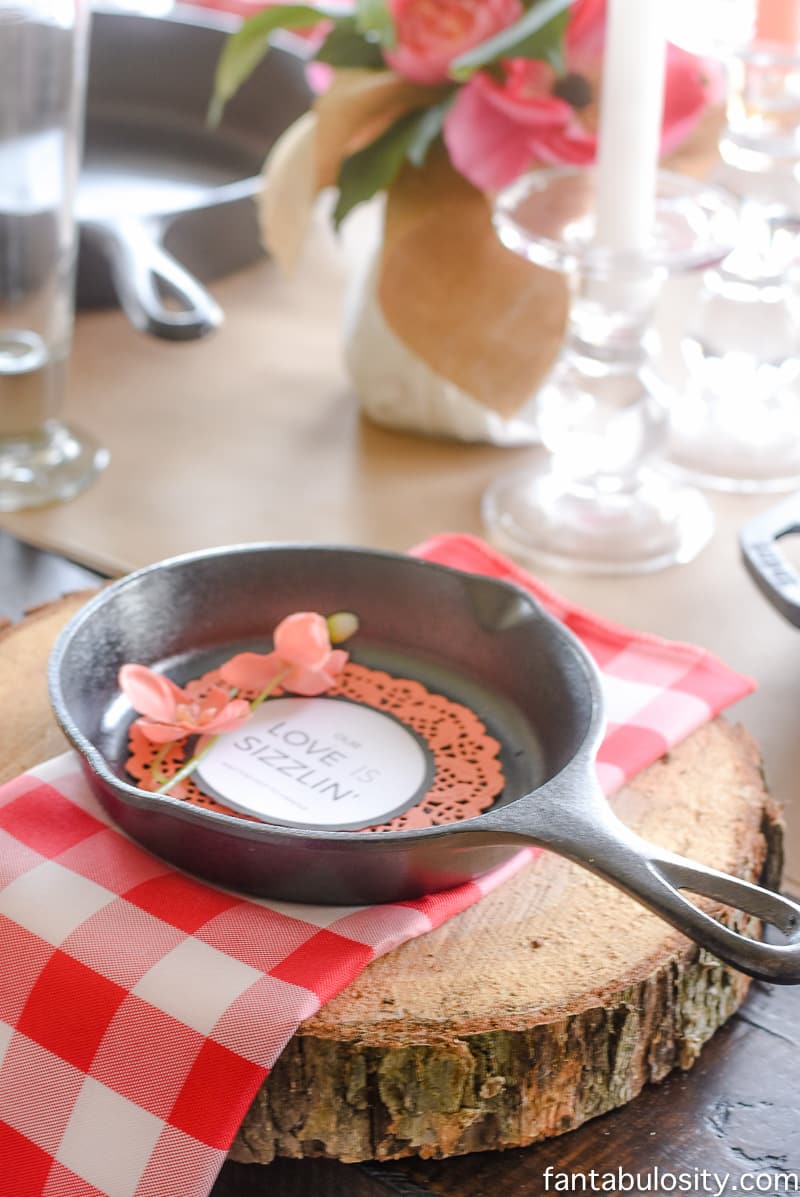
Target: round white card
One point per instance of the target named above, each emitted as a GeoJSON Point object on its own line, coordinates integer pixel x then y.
{"type": "Point", "coordinates": [318, 762]}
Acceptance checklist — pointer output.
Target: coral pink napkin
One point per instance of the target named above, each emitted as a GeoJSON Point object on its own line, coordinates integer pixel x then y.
{"type": "Point", "coordinates": [141, 1009]}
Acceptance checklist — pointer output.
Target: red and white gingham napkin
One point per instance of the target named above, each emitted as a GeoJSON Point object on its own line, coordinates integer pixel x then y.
{"type": "Point", "coordinates": [140, 1009]}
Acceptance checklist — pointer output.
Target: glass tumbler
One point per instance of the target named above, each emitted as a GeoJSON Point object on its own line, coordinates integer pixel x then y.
{"type": "Point", "coordinates": [43, 67]}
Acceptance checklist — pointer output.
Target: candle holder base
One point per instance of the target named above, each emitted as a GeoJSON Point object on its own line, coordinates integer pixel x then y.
{"type": "Point", "coordinates": [55, 463]}
{"type": "Point", "coordinates": [599, 504]}
{"type": "Point", "coordinates": [747, 448]}
{"type": "Point", "coordinates": [557, 524]}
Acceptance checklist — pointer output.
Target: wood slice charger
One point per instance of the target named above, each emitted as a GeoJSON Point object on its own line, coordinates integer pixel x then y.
{"type": "Point", "coordinates": [550, 1002]}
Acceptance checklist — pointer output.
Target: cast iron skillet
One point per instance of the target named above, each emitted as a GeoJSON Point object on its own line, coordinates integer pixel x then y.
{"type": "Point", "coordinates": [164, 200]}
{"type": "Point", "coordinates": [479, 641]}
{"type": "Point", "coordinates": [767, 565]}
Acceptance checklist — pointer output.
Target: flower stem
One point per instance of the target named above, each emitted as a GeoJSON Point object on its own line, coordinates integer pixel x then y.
{"type": "Point", "coordinates": [270, 686]}
{"type": "Point", "coordinates": [190, 766]}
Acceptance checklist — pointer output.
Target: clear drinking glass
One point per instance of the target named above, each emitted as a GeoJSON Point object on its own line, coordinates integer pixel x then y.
{"type": "Point", "coordinates": [43, 66]}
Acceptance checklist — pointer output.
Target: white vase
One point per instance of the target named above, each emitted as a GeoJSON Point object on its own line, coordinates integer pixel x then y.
{"type": "Point", "coordinates": [397, 389]}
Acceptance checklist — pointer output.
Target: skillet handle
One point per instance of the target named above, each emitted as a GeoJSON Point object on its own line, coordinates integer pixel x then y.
{"type": "Point", "coordinates": [765, 562]}
{"type": "Point", "coordinates": [660, 884]}
{"type": "Point", "coordinates": [589, 833]}
{"type": "Point", "coordinates": [138, 264]}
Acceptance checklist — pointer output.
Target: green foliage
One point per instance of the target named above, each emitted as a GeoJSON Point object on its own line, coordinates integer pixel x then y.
{"type": "Point", "coordinates": [428, 128]}
{"type": "Point", "coordinates": [375, 168]}
{"type": "Point", "coordinates": [539, 33]}
{"type": "Point", "coordinates": [345, 46]}
{"type": "Point", "coordinates": [244, 49]}
{"type": "Point", "coordinates": [374, 20]}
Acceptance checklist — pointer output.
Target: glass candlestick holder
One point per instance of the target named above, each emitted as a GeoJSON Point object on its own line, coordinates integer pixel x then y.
{"type": "Point", "coordinates": [736, 426]}
{"type": "Point", "coordinates": [598, 501]}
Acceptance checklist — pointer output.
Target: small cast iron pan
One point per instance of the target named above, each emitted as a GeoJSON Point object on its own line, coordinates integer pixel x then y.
{"type": "Point", "coordinates": [481, 642]}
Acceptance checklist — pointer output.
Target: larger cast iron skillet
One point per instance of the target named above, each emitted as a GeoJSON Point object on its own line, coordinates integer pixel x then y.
{"type": "Point", "coordinates": [482, 642]}
{"type": "Point", "coordinates": [165, 201]}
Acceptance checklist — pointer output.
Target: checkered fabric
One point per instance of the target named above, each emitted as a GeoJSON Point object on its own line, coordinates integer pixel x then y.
{"type": "Point", "coordinates": [141, 1009]}
{"type": "Point", "coordinates": [656, 691]}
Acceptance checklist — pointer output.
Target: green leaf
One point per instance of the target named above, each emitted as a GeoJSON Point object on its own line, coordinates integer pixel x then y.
{"type": "Point", "coordinates": [428, 128]}
{"type": "Point", "coordinates": [373, 17]}
{"type": "Point", "coordinates": [537, 34]}
{"type": "Point", "coordinates": [547, 43]}
{"type": "Point", "coordinates": [346, 47]}
{"type": "Point", "coordinates": [375, 168]}
{"type": "Point", "coordinates": [244, 49]}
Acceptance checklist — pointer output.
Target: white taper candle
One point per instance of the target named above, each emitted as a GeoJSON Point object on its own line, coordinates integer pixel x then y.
{"type": "Point", "coordinates": [631, 113]}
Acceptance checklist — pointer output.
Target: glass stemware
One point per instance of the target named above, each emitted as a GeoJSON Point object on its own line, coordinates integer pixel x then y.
{"type": "Point", "coordinates": [43, 71]}
{"type": "Point", "coordinates": [598, 501]}
{"type": "Point", "coordinates": [736, 425]}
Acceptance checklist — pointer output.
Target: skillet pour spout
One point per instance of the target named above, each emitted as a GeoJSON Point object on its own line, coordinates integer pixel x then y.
{"type": "Point", "coordinates": [481, 642]}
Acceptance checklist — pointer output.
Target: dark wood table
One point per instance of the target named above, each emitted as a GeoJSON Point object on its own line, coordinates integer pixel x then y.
{"type": "Point", "coordinates": [734, 1119]}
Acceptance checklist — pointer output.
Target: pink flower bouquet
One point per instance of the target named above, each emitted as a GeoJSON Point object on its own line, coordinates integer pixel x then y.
{"type": "Point", "coordinates": [505, 84]}
{"type": "Point", "coordinates": [438, 104]}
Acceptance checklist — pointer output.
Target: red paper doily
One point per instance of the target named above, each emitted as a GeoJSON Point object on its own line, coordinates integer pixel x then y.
{"type": "Point", "coordinates": [468, 776]}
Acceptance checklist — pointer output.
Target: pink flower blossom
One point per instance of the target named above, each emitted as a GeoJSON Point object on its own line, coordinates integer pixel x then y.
{"type": "Point", "coordinates": [431, 33]}
{"type": "Point", "coordinates": [498, 129]}
{"type": "Point", "coordinates": [169, 713]}
{"type": "Point", "coordinates": [302, 660]}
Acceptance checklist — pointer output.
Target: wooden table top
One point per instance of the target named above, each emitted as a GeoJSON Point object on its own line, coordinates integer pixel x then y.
{"type": "Point", "coordinates": [253, 434]}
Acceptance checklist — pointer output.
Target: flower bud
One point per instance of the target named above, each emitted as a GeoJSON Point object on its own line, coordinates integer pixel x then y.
{"type": "Point", "coordinates": [342, 625]}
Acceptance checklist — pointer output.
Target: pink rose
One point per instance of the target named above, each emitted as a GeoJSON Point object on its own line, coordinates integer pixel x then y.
{"type": "Point", "coordinates": [431, 33]}
{"type": "Point", "coordinates": [498, 129]}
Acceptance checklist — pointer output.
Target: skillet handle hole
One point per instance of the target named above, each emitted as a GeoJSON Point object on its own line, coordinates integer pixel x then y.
{"type": "Point", "coordinates": [743, 898]}
{"type": "Point", "coordinates": [739, 917]}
